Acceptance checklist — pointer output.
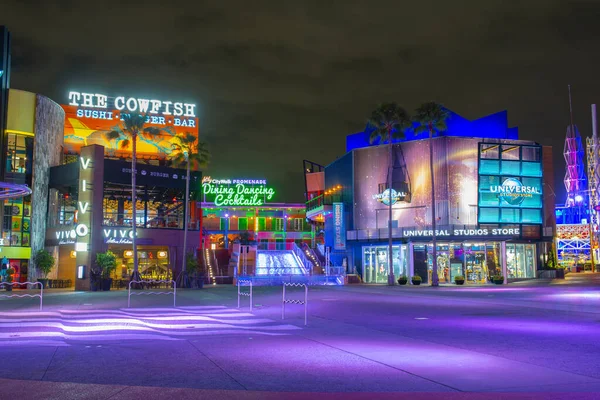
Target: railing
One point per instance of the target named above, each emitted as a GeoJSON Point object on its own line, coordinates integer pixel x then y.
{"type": "Point", "coordinates": [304, 262]}
{"type": "Point", "coordinates": [167, 221]}
{"type": "Point", "coordinates": [11, 284]}
{"type": "Point", "coordinates": [311, 255]}
{"type": "Point", "coordinates": [336, 271]}
{"type": "Point", "coordinates": [129, 294]}
{"type": "Point", "coordinates": [213, 224]}
{"type": "Point", "coordinates": [324, 200]}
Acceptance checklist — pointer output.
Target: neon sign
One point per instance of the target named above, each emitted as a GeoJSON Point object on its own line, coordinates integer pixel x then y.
{"type": "Point", "coordinates": [238, 192]}
{"type": "Point", "coordinates": [132, 104]}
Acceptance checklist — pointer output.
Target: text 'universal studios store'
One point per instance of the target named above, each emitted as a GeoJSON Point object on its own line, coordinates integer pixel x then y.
{"type": "Point", "coordinates": [494, 208]}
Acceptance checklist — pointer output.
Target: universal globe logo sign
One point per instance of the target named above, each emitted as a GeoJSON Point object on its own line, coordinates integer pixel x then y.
{"type": "Point", "coordinates": [385, 196]}
{"type": "Point", "coordinates": [513, 192]}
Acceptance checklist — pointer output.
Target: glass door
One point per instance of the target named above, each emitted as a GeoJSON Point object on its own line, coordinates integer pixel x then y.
{"type": "Point", "coordinates": [475, 260]}
{"type": "Point", "coordinates": [443, 262]}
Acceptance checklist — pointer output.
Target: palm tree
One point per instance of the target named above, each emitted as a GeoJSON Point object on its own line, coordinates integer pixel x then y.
{"type": "Point", "coordinates": [389, 121]}
{"type": "Point", "coordinates": [134, 126]}
{"type": "Point", "coordinates": [188, 151]}
{"type": "Point", "coordinates": [432, 118]}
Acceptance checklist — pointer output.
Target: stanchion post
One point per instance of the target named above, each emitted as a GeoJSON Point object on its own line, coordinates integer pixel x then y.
{"type": "Point", "coordinates": [305, 305]}
{"type": "Point", "coordinates": [283, 303]}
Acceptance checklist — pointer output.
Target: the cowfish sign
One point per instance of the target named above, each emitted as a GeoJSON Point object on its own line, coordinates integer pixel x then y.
{"type": "Point", "coordinates": [237, 192]}
{"type": "Point", "coordinates": [132, 104]}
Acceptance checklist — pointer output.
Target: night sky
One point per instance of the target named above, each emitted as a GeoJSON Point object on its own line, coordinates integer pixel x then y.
{"type": "Point", "coordinates": [277, 82]}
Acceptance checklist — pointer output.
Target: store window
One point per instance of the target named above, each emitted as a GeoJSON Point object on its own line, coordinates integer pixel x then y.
{"type": "Point", "coordinates": [16, 222]}
{"type": "Point", "coordinates": [376, 263]}
{"type": "Point", "coordinates": [19, 153]}
{"type": "Point", "coordinates": [520, 260]}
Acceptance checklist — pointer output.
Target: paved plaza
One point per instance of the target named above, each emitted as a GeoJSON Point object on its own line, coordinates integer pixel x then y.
{"type": "Point", "coordinates": [526, 340]}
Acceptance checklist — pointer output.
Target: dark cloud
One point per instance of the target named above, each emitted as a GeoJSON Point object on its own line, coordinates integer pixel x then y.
{"type": "Point", "coordinates": [277, 82]}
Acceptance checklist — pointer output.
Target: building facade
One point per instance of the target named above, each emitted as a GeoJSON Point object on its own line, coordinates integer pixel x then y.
{"type": "Point", "coordinates": [494, 206]}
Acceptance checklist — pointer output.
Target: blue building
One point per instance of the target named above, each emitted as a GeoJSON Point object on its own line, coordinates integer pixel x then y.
{"type": "Point", "coordinates": [494, 209]}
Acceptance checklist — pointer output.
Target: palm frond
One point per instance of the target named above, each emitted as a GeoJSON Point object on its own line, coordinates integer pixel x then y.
{"type": "Point", "coordinates": [125, 143]}
{"type": "Point", "coordinates": [431, 116]}
{"type": "Point", "coordinates": [112, 135]}
{"type": "Point", "coordinates": [388, 121]}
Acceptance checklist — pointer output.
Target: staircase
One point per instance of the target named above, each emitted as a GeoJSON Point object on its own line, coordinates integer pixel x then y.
{"type": "Point", "coordinates": [210, 265]}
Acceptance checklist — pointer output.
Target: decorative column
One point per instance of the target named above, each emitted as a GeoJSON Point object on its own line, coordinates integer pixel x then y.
{"type": "Point", "coordinates": [89, 211]}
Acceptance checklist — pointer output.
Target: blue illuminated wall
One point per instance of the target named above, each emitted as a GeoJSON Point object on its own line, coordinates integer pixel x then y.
{"type": "Point", "coordinates": [494, 126]}
{"type": "Point", "coordinates": [339, 173]}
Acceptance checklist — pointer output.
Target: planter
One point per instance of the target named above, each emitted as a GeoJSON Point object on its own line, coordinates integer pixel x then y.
{"type": "Point", "coordinates": [8, 288]}
{"type": "Point", "coordinates": [95, 285]}
{"type": "Point", "coordinates": [498, 281]}
{"type": "Point", "coordinates": [106, 284]}
{"type": "Point", "coordinates": [402, 281]}
{"type": "Point", "coordinates": [44, 282]}
{"type": "Point", "coordinates": [459, 281]}
{"type": "Point", "coordinates": [416, 282]}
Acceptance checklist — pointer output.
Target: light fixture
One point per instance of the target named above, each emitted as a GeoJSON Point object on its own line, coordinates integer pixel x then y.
{"type": "Point", "coordinates": [81, 246]}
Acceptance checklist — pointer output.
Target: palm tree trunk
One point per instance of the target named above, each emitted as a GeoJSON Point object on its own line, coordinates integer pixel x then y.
{"type": "Point", "coordinates": [136, 273]}
{"type": "Point", "coordinates": [184, 282]}
{"type": "Point", "coordinates": [434, 273]}
{"type": "Point", "coordinates": [390, 257]}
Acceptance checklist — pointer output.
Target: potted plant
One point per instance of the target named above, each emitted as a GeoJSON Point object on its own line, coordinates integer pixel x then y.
{"type": "Point", "coordinates": [44, 261]}
{"type": "Point", "coordinates": [95, 278]}
{"type": "Point", "coordinates": [416, 280]}
{"type": "Point", "coordinates": [402, 280]}
{"type": "Point", "coordinates": [498, 279]}
{"type": "Point", "coordinates": [107, 262]}
{"type": "Point", "coordinates": [195, 271]}
{"type": "Point", "coordinates": [7, 277]}
{"type": "Point", "coordinates": [459, 279]}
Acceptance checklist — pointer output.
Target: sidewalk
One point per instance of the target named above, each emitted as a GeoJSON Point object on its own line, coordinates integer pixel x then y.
{"type": "Point", "coordinates": [360, 341]}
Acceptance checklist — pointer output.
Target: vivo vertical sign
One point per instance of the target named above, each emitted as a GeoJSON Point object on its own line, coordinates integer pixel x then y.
{"type": "Point", "coordinates": [339, 227]}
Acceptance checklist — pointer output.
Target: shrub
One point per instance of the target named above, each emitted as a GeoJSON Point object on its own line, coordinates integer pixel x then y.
{"type": "Point", "coordinates": [44, 261]}
{"type": "Point", "coordinates": [107, 262]}
{"type": "Point", "coordinates": [416, 278]}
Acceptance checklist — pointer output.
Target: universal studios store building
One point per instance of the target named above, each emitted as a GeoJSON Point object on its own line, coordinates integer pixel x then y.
{"type": "Point", "coordinates": [493, 214]}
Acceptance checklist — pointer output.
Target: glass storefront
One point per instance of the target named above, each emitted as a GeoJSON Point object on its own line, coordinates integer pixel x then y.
{"type": "Point", "coordinates": [520, 260]}
{"type": "Point", "coordinates": [153, 262]}
{"type": "Point", "coordinates": [376, 262]}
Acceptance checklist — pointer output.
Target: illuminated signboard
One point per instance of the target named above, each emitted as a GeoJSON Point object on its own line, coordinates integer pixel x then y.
{"type": "Point", "coordinates": [339, 228]}
{"type": "Point", "coordinates": [475, 232]}
{"type": "Point", "coordinates": [513, 192]}
{"type": "Point", "coordinates": [237, 192]}
{"type": "Point", "coordinates": [89, 117]}
{"type": "Point", "coordinates": [510, 185]}
{"type": "Point", "coordinates": [69, 236]}
{"type": "Point", "coordinates": [118, 236]}
{"type": "Point", "coordinates": [132, 104]}
{"type": "Point", "coordinates": [386, 195]}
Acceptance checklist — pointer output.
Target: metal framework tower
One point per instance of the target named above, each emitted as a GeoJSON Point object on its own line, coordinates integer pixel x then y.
{"type": "Point", "coordinates": [575, 178]}
{"type": "Point", "coordinates": [593, 156]}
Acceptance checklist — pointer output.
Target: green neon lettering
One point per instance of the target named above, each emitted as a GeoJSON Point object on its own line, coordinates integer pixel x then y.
{"type": "Point", "coordinates": [239, 195]}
